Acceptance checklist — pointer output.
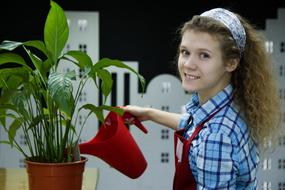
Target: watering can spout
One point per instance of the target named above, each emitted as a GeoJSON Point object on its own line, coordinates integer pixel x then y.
{"type": "Point", "coordinates": [86, 149]}
{"type": "Point", "coordinates": [115, 145]}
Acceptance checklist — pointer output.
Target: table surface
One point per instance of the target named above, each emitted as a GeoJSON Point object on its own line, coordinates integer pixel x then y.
{"type": "Point", "coordinates": [17, 179]}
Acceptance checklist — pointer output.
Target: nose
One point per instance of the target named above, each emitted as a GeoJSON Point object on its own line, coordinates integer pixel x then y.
{"type": "Point", "coordinates": [190, 62]}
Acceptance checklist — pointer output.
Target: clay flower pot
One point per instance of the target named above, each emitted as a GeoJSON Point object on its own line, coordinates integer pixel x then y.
{"type": "Point", "coordinates": [56, 176]}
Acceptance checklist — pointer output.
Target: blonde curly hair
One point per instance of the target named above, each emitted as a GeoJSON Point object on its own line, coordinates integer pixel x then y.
{"type": "Point", "coordinates": [255, 86]}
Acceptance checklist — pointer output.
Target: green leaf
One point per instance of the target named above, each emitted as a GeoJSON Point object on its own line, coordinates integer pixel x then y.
{"type": "Point", "coordinates": [11, 88]}
{"type": "Point", "coordinates": [3, 119]}
{"type": "Point", "coordinates": [14, 82]}
{"type": "Point", "coordinates": [9, 45]}
{"type": "Point", "coordinates": [12, 58]}
{"type": "Point", "coordinates": [6, 142]}
{"type": "Point", "coordinates": [107, 82]}
{"type": "Point", "coordinates": [38, 45]}
{"type": "Point", "coordinates": [7, 73]}
{"type": "Point", "coordinates": [38, 63]}
{"type": "Point", "coordinates": [98, 111]}
{"type": "Point", "coordinates": [56, 31]}
{"type": "Point", "coordinates": [83, 60]}
{"type": "Point", "coordinates": [36, 120]}
{"type": "Point", "coordinates": [3, 115]}
{"type": "Point", "coordinates": [60, 88]}
{"type": "Point", "coordinates": [20, 100]}
{"type": "Point", "coordinates": [7, 95]}
{"type": "Point", "coordinates": [16, 124]}
{"type": "Point", "coordinates": [8, 107]}
{"type": "Point", "coordinates": [41, 46]}
{"type": "Point", "coordinates": [118, 110]}
{"type": "Point", "coordinates": [106, 62]}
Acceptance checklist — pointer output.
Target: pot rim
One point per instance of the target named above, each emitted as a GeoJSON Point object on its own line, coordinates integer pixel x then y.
{"type": "Point", "coordinates": [83, 159]}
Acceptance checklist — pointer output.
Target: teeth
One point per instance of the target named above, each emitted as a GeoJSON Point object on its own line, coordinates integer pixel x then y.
{"type": "Point", "coordinates": [192, 77]}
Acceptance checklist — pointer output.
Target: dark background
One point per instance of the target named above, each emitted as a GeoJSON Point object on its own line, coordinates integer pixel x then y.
{"type": "Point", "coordinates": [132, 31]}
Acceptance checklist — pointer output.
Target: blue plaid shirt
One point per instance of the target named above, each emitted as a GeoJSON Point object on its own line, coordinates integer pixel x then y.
{"type": "Point", "coordinates": [223, 155]}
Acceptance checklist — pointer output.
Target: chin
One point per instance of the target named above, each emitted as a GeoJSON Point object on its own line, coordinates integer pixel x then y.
{"type": "Point", "coordinates": [189, 88]}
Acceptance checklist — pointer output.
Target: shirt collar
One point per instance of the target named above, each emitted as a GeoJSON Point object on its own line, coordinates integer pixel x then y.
{"type": "Point", "coordinates": [201, 112]}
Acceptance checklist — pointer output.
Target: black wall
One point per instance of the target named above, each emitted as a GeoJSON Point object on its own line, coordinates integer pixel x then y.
{"type": "Point", "coordinates": [141, 31]}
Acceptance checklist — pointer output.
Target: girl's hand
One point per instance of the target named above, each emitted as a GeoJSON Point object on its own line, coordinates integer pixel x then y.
{"type": "Point", "coordinates": [141, 113]}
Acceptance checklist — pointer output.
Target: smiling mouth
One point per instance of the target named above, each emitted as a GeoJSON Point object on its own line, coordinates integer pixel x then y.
{"type": "Point", "coordinates": [191, 77]}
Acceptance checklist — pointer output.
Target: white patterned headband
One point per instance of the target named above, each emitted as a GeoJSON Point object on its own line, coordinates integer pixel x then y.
{"type": "Point", "coordinates": [231, 21]}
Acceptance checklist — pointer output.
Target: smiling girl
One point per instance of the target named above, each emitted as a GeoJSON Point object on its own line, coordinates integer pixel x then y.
{"type": "Point", "coordinates": [223, 63]}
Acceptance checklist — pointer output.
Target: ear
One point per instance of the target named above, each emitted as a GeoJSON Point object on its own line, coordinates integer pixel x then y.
{"type": "Point", "coordinates": [232, 64]}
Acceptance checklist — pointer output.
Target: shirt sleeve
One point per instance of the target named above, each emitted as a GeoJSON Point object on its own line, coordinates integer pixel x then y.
{"type": "Point", "coordinates": [215, 163]}
{"type": "Point", "coordinates": [183, 120]}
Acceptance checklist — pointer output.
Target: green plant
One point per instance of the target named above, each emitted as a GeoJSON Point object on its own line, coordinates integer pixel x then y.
{"type": "Point", "coordinates": [41, 101]}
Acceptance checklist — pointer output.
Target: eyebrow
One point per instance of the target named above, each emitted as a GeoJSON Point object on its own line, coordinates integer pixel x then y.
{"type": "Point", "coordinates": [199, 49]}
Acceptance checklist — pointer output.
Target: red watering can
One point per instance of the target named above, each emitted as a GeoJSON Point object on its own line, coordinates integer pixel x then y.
{"type": "Point", "coordinates": [115, 145]}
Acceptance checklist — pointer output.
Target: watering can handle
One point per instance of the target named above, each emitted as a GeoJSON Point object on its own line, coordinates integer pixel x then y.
{"type": "Point", "coordinates": [128, 116]}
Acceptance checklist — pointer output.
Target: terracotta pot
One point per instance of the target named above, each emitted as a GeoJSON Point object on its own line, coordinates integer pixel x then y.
{"type": "Point", "coordinates": [55, 176]}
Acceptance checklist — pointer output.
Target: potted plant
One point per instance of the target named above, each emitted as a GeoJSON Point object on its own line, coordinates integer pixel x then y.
{"type": "Point", "coordinates": [42, 102]}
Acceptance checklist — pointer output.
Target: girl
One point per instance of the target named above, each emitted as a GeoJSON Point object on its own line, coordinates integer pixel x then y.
{"type": "Point", "coordinates": [223, 63]}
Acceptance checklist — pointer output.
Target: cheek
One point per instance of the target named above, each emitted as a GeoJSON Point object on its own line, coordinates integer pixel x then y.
{"type": "Point", "coordinates": [213, 69]}
{"type": "Point", "coordinates": [180, 63]}
{"type": "Point", "coordinates": [180, 67]}
{"type": "Point", "coordinates": [215, 74]}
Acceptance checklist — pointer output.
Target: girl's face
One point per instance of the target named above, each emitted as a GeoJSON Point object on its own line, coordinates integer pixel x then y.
{"type": "Point", "coordinates": [201, 66]}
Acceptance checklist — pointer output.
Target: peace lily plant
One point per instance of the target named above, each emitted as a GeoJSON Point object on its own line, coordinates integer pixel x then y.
{"type": "Point", "coordinates": [42, 102]}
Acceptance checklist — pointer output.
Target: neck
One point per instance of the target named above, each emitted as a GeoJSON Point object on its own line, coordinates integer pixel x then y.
{"type": "Point", "coordinates": [205, 96]}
